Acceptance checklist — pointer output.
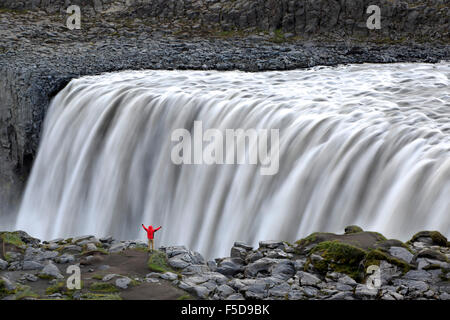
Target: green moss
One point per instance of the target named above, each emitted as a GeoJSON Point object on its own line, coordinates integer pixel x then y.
{"type": "Point", "coordinates": [157, 262]}
{"type": "Point", "coordinates": [309, 239]}
{"type": "Point", "coordinates": [59, 287]}
{"type": "Point", "coordinates": [103, 287]}
{"type": "Point", "coordinates": [353, 229]}
{"type": "Point", "coordinates": [97, 277]}
{"type": "Point", "coordinates": [340, 257]}
{"type": "Point", "coordinates": [12, 238]}
{"type": "Point", "coordinates": [185, 297]}
{"type": "Point", "coordinates": [99, 296]}
{"type": "Point", "coordinates": [23, 292]}
{"type": "Point", "coordinates": [436, 236]}
{"type": "Point", "coordinates": [278, 36]}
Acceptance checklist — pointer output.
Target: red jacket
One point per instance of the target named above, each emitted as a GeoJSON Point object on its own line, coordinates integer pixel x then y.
{"type": "Point", "coordinates": [150, 231]}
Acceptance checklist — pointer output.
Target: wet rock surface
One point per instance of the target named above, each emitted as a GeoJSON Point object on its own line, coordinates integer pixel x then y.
{"type": "Point", "coordinates": [386, 274]}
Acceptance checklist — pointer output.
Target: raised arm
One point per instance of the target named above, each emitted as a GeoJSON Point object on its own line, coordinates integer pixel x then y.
{"type": "Point", "coordinates": [157, 228]}
{"type": "Point", "coordinates": [144, 227]}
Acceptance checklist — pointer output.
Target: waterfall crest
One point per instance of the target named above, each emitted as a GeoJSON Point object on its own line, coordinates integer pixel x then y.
{"type": "Point", "coordinates": [360, 144]}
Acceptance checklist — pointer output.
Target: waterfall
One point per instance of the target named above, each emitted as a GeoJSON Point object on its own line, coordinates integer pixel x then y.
{"type": "Point", "coordinates": [360, 144]}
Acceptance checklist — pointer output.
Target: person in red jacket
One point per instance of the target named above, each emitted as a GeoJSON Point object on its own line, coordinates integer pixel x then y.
{"type": "Point", "coordinates": [150, 234]}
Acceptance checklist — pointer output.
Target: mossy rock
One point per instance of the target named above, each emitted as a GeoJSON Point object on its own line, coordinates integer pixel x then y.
{"type": "Point", "coordinates": [436, 238]}
{"type": "Point", "coordinates": [375, 256]}
{"type": "Point", "coordinates": [430, 254]}
{"type": "Point", "coordinates": [23, 292]}
{"type": "Point", "coordinates": [157, 262]}
{"type": "Point", "coordinates": [364, 240]}
{"type": "Point", "coordinates": [12, 238]}
{"type": "Point", "coordinates": [3, 291]}
{"type": "Point", "coordinates": [61, 287]}
{"type": "Point", "coordinates": [339, 257]}
{"type": "Point", "coordinates": [353, 229]}
{"type": "Point", "coordinates": [103, 287]}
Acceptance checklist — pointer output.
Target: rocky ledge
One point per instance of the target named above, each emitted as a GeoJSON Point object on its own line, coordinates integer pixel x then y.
{"type": "Point", "coordinates": [322, 266]}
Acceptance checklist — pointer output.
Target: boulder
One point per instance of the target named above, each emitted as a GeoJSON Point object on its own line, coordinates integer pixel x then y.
{"type": "Point", "coordinates": [430, 238]}
{"type": "Point", "coordinates": [229, 266]}
{"type": "Point", "coordinates": [307, 279]}
{"type": "Point", "coordinates": [352, 229]}
{"type": "Point", "coordinates": [65, 258]}
{"type": "Point", "coordinates": [262, 265]}
{"type": "Point", "coordinates": [271, 244]}
{"type": "Point", "coordinates": [32, 265]}
{"type": "Point", "coordinates": [117, 247]}
{"type": "Point", "coordinates": [283, 270]}
{"type": "Point", "coordinates": [401, 253]}
{"type": "Point", "coordinates": [123, 282]}
{"type": "Point", "coordinates": [3, 264]}
{"type": "Point", "coordinates": [51, 270]}
{"type": "Point", "coordinates": [364, 292]}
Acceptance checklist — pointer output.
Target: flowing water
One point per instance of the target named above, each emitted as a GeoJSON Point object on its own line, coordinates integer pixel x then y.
{"type": "Point", "coordinates": [360, 144]}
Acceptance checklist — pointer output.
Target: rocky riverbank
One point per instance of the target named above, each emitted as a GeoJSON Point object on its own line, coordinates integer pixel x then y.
{"type": "Point", "coordinates": [321, 266]}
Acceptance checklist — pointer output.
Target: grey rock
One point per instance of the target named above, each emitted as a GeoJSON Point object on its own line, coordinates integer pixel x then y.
{"type": "Point", "coordinates": [225, 291]}
{"type": "Point", "coordinates": [238, 252]}
{"type": "Point", "coordinates": [178, 263]}
{"type": "Point", "coordinates": [284, 270]}
{"type": "Point", "coordinates": [169, 276]}
{"type": "Point", "coordinates": [81, 238]}
{"type": "Point", "coordinates": [71, 248]}
{"type": "Point", "coordinates": [91, 247]}
{"type": "Point", "coordinates": [117, 247]}
{"type": "Point", "coordinates": [51, 270]}
{"type": "Point", "coordinates": [212, 265]}
{"type": "Point", "coordinates": [243, 245]}
{"type": "Point", "coordinates": [278, 254]}
{"type": "Point", "coordinates": [271, 244]}
{"type": "Point", "coordinates": [412, 285]}
{"type": "Point", "coordinates": [310, 291]}
{"type": "Point", "coordinates": [107, 239]}
{"type": "Point", "coordinates": [123, 282]}
{"type": "Point", "coordinates": [110, 276]}
{"type": "Point", "coordinates": [364, 292]}
{"type": "Point", "coordinates": [307, 279]}
{"type": "Point", "coordinates": [420, 275]}
{"type": "Point", "coordinates": [65, 258]}
{"type": "Point", "coordinates": [235, 296]}
{"type": "Point", "coordinates": [262, 265]}
{"type": "Point", "coordinates": [299, 264]}
{"type": "Point", "coordinates": [252, 257]}
{"type": "Point", "coordinates": [3, 264]}
{"type": "Point", "coordinates": [341, 296]}
{"type": "Point", "coordinates": [229, 266]}
{"type": "Point", "coordinates": [8, 284]}
{"type": "Point", "coordinates": [30, 277]}
{"type": "Point", "coordinates": [32, 265]}
{"type": "Point", "coordinates": [401, 253]}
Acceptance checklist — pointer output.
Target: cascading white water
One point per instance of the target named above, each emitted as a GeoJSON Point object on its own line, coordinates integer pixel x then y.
{"type": "Point", "coordinates": [361, 144]}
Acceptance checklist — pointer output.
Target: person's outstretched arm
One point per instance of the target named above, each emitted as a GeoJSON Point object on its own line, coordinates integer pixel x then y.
{"type": "Point", "coordinates": [158, 228]}
{"type": "Point", "coordinates": [144, 227]}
